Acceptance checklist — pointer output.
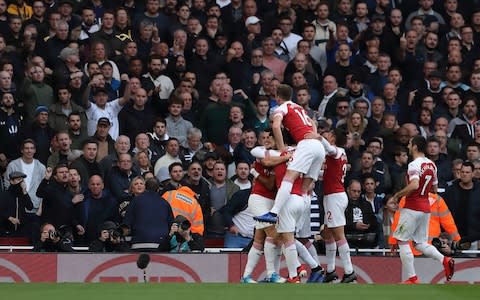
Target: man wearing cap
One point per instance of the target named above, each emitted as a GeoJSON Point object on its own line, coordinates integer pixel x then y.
{"type": "Point", "coordinates": [13, 204]}
{"type": "Point", "coordinates": [102, 108]}
{"type": "Point", "coordinates": [252, 38]}
{"type": "Point", "coordinates": [106, 145]}
{"type": "Point", "coordinates": [41, 133]}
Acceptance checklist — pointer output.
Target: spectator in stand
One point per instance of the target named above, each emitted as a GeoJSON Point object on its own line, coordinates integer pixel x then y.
{"type": "Point", "coordinates": [172, 155]}
{"type": "Point", "coordinates": [122, 146]}
{"type": "Point", "coordinates": [463, 126]}
{"type": "Point", "coordinates": [175, 176]}
{"type": "Point", "coordinates": [142, 143]}
{"type": "Point", "coordinates": [64, 154]}
{"type": "Point", "coordinates": [472, 151]}
{"type": "Point", "coordinates": [242, 175]}
{"type": "Point", "coordinates": [398, 168]}
{"type": "Point", "coordinates": [119, 178]}
{"type": "Point", "coordinates": [195, 181]}
{"type": "Point", "coordinates": [58, 113]}
{"type": "Point", "coordinates": [104, 140]}
{"type": "Point", "coordinates": [101, 108]}
{"type": "Point", "coordinates": [177, 126]}
{"type": "Point", "coordinates": [14, 203]}
{"type": "Point", "coordinates": [11, 124]}
{"type": "Point", "coordinates": [158, 136]}
{"type": "Point", "coordinates": [221, 191]}
{"type": "Point", "coordinates": [57, 206]}
{"type": "Point", "coordinates": [361, 226]}
{"type": "Point", "coordinates": [35, 92]}
{"type": "Point", "coordinates": [136, 117]}
{"type": "Point", "coordinates": [239, 220]}
{"type": "Point", "coordinates": [41, 133]}
{"type": "Point", "coordinates": [158, 86]}
{"type": "Point", "coordinates": [97, 207]}
{"type": "Point", "coordinates": [143, 163]}
{"type": "Point", "coordinates": [193, 148]}
{"type": "Point", "coordinates": [460, 198]}
{"type": "Point", "coordinates": [149, 218]}
{"type": "Point", "coordinates": [86, 164]}
{"type": "Point", "coordinates": [273, 63]}
{"type": "Point", "coordinates": [443, 164]}
{"type": "Point", "coordinates": [57, 41]}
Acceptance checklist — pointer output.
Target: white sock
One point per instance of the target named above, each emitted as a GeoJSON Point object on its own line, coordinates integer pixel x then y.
{"type": "Point", "coordinates": [291, 259]}
{"type": "Point", "coordinates": [313, 251]}
{"type": "Point", "coordinates": [406, 256]}
{"type": "Point", "coordinates": [270, 256]}
{"type": "Point", "coordinates": [430, 251]}
{"type": "Point", "coordinates": [254, 255]}
{"type": "Point", "coordinates": [344, 253]}
{"type": "Point", "coordinates": [330, 254]}
{"type": "Point", "coordinates": [305, 255]}
{"type": "Point", "coordinates": [278, 256]}
{"type": "Point", "coordinates": [283, 194]}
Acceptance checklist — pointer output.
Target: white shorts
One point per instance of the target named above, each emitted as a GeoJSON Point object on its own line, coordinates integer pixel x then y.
{"type": "Point", "coordinates": [412, 226]}
{"type": "Point", "coordinates": [259, 205]}
{"type": "Point", "coordinates": [308, 158]}
{"type": "Point", "coordinates": [335, 206]}
{"type": "Point", "coordinates": [291, 214]}
{"type": "Point", "coordinates": [304, 228]}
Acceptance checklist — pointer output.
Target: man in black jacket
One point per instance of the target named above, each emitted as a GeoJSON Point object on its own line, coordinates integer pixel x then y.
{"type": "Point", "coordinates": [361, 221]}
{"type": "Point", "coordinates": [13, 203]}
{"type": "Point", "coordinates": [57, 207]}
{"type": "Point", "coordinates": [462, 200]}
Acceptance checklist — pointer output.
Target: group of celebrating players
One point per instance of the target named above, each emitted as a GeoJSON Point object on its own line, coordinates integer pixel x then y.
{"type": "Point", "coordinates": [282, 219]}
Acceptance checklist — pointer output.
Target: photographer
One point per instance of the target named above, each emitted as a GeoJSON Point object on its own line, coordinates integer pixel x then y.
{"type": "Point", "coordinates": [13, 204]}
{"type": "Point", "coordinates": [111, 239]}
{"type": "Point", "coordinates": [52, 240]}
{"type": "Point", "coordinates": [181, 239]}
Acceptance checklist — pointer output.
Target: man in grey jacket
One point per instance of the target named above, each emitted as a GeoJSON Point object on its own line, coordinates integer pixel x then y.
{"type": "Point", "coordinates": [35, 171]}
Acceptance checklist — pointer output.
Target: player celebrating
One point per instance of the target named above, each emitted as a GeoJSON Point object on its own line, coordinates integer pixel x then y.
{"type": "Point", "coordinates": [308, 156]}
{"type": "Point", "coordinates": [259, 202]}
{"type": "Point", "coordinates": [335, 202]}
{"type": "Point", "coordinates": [414, 217]}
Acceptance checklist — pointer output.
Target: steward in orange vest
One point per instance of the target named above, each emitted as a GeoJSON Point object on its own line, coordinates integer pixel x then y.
{"type": "Point", "coordinates": [184, 202]}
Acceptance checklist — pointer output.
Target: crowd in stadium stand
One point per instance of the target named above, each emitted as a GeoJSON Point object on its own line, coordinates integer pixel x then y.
{"type": "Point", "coordinates": [137, 117]}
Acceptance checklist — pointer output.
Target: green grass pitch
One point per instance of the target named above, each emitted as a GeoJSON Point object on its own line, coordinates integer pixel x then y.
{"type": "Point", "coordinates": [213, 291]}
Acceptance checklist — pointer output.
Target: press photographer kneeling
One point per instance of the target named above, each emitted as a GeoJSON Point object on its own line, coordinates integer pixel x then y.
{"type": "Point", "coordinates": [111, 239]}
{"type": "Point", "coordinates": [52, 240]}
{"type": "Point", "coordinates": [182, 239]}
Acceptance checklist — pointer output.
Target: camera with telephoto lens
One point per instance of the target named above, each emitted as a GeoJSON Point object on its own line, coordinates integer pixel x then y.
{"type": "Point", "coordinates": [115, 233]}
{"type": "Point", "coordinates": [182, 222]}
{"type": "Point", "coordinates": [63, 232]}
{"type": "Point", "coordinates": [447, 247]}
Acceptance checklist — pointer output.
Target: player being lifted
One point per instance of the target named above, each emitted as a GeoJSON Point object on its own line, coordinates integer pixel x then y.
{"type": "Point", "coordinates": [308, 156]}
{"type": "Point", "coordinates": [414, 217]}
{"type": "Point", "coordinates": [335, 201]}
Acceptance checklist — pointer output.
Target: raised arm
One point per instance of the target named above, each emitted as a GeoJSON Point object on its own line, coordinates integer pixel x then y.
{"type": "Point", "coordinates": [126, 95]}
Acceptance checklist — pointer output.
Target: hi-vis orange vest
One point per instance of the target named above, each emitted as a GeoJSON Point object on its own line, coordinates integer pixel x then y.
{"type": "Point", "coordinates": [183, 202]}
{"type": "Point", "coordinates": [440, 217]}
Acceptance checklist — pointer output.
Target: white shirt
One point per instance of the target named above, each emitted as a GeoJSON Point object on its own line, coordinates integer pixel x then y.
{"type": "Point", "coordinates": [323, 104]}
{"type": "Point", "coordinates": [110, 112]}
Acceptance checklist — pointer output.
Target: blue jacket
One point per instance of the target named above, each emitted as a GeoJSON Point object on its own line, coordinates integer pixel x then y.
{"type": "Point", "coordinates": [150, 218]}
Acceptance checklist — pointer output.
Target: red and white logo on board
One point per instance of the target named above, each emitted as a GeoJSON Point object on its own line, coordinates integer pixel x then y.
{"type": "Point", "coordinates": [160, 269]}
{"type": "Point", "coordinates": [10, 272]}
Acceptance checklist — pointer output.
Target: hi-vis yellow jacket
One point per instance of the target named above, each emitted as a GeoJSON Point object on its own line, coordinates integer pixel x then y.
{"type": "Point", "coordinates": [183, 202]}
